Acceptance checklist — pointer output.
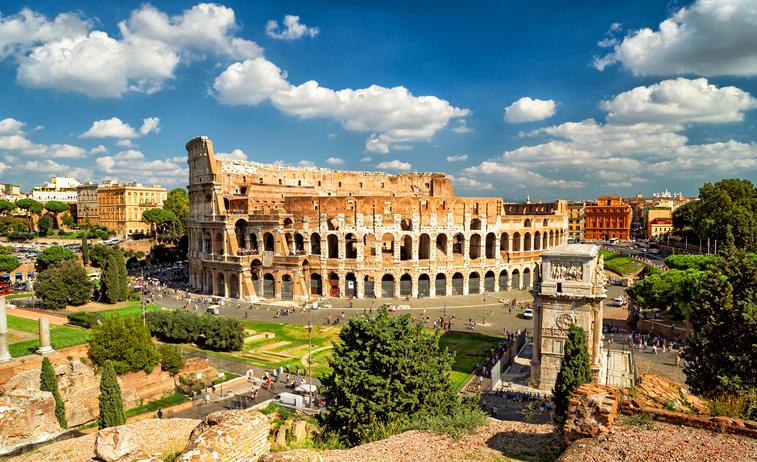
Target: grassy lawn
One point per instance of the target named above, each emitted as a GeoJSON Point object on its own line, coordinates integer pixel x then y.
{"type": "Point", "coordinates": [226, 377]}
{"type": "Point", "coordinates": [60, 337]}
{"type": "Point", "coordinates": [264, 353]}
{"type": "Point", "coordinates": [620, 264]}
{"type": "Point", "coordinates": [470, 348]}
{"type": "Point", "coordinates": [23, 324]}
{"type": "Point", "coordinates": [21, 295]}
{"type": "Point", "coordinates": [153, 406]}
{"type": "Point", "coordinates": [131, 308]}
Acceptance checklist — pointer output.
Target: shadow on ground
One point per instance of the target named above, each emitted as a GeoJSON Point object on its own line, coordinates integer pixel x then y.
{"type": "Point", "coordinates": [538, 447]}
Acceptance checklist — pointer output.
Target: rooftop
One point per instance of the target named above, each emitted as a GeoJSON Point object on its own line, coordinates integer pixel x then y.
{"type": "Point", "coordinates": [572, 250]}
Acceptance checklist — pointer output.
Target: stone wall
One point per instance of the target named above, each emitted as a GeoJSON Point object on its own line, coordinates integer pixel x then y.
{"type": "Point", "coordinates": [592, 410]}
{"type": "Point", "coordinates": [79, 386]}
{"type": "Point", "coordinates": [26, 416]}
{"type": "Point", "coordinates": [231, 436]}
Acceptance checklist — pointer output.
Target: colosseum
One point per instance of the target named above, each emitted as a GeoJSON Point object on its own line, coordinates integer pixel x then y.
{"type": "Point", "coordinates": [260, 231]}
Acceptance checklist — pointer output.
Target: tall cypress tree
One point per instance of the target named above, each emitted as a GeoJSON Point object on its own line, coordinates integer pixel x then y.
{"type": "Point", "coordinates": [111, 403]}
{"type": "Point", "coordinates": [575, 370]}
{"type": "Point", "coordinates": [48, 381]}
{"type": "Point", "coordinates": [123, 279]}
{"type": "Point", "coordinates": [84, 250]}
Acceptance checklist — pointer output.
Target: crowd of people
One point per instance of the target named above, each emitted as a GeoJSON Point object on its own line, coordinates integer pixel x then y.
{"type": "Point", "coordinates": [495, 354]}
{"type": "Point", "coordinates": [653, 343]}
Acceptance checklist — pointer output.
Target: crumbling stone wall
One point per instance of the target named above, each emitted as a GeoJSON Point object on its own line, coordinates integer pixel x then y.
{"type": "Point", "coordinates": [231, 436]}
{"type": "Point", "coordinates": [26, 416]}
{"type": "Point", "coordinates": [592, 410]}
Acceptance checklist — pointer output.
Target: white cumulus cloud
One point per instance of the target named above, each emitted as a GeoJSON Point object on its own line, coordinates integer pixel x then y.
{"type": "Point", "coordinates": [679, 101]}
{"type": "Point", "coordinates": [392, 116]}
{"type": "Point", "coordinates": [99, 149]}
{"type": "Point", "coordinates": [529, 109]}
{"type": "Point", "coordinates": [10, 126]}
{"type": "Point", "coordinates": [335, 161]}
{"type": "Point", "coordinates": [707, 37]}
{"type": "Point", "coordinates": [236, 154]}
{"type": "Point", "coordinates": [68, 54]}
{"type": "Point", "coordinates": [460, 158]}
{"type": "Point", "coordinates": [116, 128]}
{"type": "Point", "coordinates": [292, 29]}
{"type": "Point", "coordinates": [471, 183]}
{"type": "Point", "coordinates": [394, 165]}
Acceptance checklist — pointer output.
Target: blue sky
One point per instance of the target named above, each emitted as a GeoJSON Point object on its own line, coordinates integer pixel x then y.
{"type": "Point", "coordinates": [512, 99]}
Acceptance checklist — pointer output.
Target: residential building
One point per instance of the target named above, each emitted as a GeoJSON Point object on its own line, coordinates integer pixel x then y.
{"type": "Point", "coordinates": [120, 206]}
{"type": "Point", "coordinates": [10, 192]}
{"type": "Point", "coordinates": [57, 189]}
{"type": "Point", "coordinates": [659, 228]}
{"type": "Point", "coordinates": [277, 232]}
{"type": "Point", "coordinates": [576, 215]}
{"type": "Point", "coordinates": [608, 218]}
{"type": "Point", "coordinates": [87, 204]}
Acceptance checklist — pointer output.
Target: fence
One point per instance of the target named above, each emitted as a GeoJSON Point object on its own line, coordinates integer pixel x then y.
{"type": "Point", "coordinates": [223, 364]}
{"type": "Point", "coordinates": [508, 356]}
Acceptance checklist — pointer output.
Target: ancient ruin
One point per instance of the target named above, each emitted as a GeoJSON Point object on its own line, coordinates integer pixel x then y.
{"type": "Point", "coordinates": [572, 291]}
{"type": "Point", "coordinates": [268, 231]}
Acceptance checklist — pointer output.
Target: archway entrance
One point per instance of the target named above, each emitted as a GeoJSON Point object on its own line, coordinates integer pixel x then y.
{"type": "Point", "coordinates": [334, 285]}
{"type": "Point", "coordinates": [474, 283]}
{"type": "Point", "coordinates": [316, 284]}
{"type": "Point", "coordinates": [489, 281]}
{"type": "Point", "coordinates": [369, 289]}
{"type": "Point", "coordinates": [387, 286]}
{"type": "Point", "coordinates": [457, 284]}
{"type": "Point", "coordinates": [424, 285]}
{"type": "Point", "coordinates": [350, 285]}
{"type": "Point", "coordinates": [287, 287]}
{"type": "Point", "coordinates": [269, 286]}
{"type": "Point", "coordinates": [441, 285]}
{"type": "Point", "coordinates": [503, 280]}
{"type": "Point", "coordinates": [406, 285]}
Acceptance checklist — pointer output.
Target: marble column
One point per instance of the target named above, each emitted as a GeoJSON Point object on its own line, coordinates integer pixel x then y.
{"type": "Point", "coordinates": [44, 336]}
{"type": "Point", "coordinates": [4, 354]}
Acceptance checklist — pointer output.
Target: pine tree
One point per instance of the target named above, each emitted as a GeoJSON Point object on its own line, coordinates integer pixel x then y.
{"type": "Point", "coordinates": [111, 403]}
{"type": "Point", "coordinates": [114, 283]}
{"type": "Point", "coordinates": [48, 381]}
{"type": "Point", "coordinates": [84, 250]}
{"type": "Point", "coordinates": [575, 370]}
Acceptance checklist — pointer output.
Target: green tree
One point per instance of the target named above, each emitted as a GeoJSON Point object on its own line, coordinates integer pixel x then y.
{"type": "Point", "coordinates": [65, 283]}
{"type": "Point", "coordinates": [111, 403]}
{"type": "Point", "coordinates": [6, 207]}
{"type": "Point", "coordinates": [114, 284]}
{"type": "Point", "coordinates": [56, 208]}
{"type": "Point", "coordinates": [99, 255]}
{"type": "Point", "coordinates": [160, 221]}
{"type": "Point", "coordinates": [126, 342]}
{"type": "Point", "coordinates": [54, 254]}
{"type": "Point", "coordinates": [68, 220]}
{"type": "Point", "coordinates": [45, 224]}
{"type": "Point", "coordinates": [728, 204]}
{"type": "Point", "coordinates": [720, 353]}
{"type": "Point", "coordinates": [171, 359]}
{"type": "Point", "coordinates": [177, 202]}
{"type": "Point", "coordinates": [8, 262]}
{"type": "Point", "coordinates": [48, 381]}
{"type": "Point", "coordinates": [84, 250]}
{"type": "Point", "coordinates": [575, 370]}
{"type": "Point", "coordinates": [386, 371]}
{"type": "Point", "coordinates": [31, 206]}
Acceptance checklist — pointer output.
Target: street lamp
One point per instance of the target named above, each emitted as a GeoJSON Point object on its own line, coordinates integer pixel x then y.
{"type": "Point", "coordinates": [483, 321]}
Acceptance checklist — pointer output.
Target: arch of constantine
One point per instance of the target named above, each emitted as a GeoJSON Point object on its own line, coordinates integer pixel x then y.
{"type": "Point", "coordinates": [268, 231]}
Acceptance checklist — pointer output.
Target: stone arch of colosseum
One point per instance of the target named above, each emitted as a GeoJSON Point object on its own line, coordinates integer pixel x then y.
{"type": "Point", "coordinates": [260, 231]}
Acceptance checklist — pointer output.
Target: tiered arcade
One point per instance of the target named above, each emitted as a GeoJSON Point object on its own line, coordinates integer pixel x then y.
{"type": "Point", "coordinates": [267, 231]}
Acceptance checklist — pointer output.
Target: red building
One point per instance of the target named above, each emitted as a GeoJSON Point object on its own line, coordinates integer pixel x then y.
{"type": "Point", "coordinates": [608, 218]}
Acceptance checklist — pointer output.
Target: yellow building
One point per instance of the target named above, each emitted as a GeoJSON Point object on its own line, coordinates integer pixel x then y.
{"type": "Point", "coordinates": [576, 212]}
{"type": "Point", "coordinates": [120, 206]}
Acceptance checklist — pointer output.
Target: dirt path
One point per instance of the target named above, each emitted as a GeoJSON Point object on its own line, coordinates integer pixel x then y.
{"type": "Point", "coordinates": [35, 315]}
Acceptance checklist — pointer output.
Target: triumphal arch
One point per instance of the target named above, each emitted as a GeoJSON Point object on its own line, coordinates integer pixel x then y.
{"type": "Point", "coordinates": [259, 231]}
{"type": "Point", "coordinates": [571, 291]}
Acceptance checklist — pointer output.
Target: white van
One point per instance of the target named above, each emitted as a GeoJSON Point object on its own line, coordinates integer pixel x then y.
{"type": "Point", "coordinates": [215, 310]}
{"type": "Point", "coordinates": [618, 301]}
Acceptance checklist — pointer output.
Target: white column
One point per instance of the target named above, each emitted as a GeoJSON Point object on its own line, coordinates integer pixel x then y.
{"type": "Point", "coordinates": [4, 353]}
{"type": "Point", "coordinates": [44, 336]}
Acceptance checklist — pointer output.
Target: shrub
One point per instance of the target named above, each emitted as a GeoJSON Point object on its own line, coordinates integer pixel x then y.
{"type": "Point", "coordinates": [83, 319]}
{"type": "Point", "coordinates": [54, 254]}
{"type": "Point", "coordinates": [126, 342]}
{"type": "Point", "coordinates": [171, 359]}
{"type": "Point", "coordinates": [213, 332]}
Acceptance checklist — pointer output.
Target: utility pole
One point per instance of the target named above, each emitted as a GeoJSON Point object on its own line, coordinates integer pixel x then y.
{"type": "Point", "coordinates": [310, 357]}
{"type": "Point", "coordinates": [142, 297]}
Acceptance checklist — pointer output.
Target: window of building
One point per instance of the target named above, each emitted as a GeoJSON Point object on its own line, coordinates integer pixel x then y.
{"type": "Point", "coordinates": [279, 180]}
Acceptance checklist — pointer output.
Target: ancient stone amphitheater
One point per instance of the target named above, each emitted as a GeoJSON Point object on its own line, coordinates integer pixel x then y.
{"type": "Point", "coordinates": [273, 232]}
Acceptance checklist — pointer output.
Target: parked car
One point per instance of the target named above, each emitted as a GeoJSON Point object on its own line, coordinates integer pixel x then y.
{"type": "Point", "coordinates": [214, 310]}
{"type": "Point", "coordinates": [528, 313]}
{"type": "Point", "coordinates": [618, 301]}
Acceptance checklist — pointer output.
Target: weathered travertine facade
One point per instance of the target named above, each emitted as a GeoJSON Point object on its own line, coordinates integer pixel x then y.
{"type": "Point", "coordinates": [571, 291]}
{"type": "Point", "coordinates": [266, 231]}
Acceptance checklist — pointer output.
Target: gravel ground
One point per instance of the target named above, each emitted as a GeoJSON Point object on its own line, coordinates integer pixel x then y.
{"type": "Point", "coordinates": [165, 436]}
{"type": "Point", "coordinates": [493, 441]}
{"type": "Point", "coordinates": [663, 443]}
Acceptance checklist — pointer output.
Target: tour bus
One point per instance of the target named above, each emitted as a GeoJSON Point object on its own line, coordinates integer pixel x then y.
{"type": "Point", "coordinates": [614, 240]}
